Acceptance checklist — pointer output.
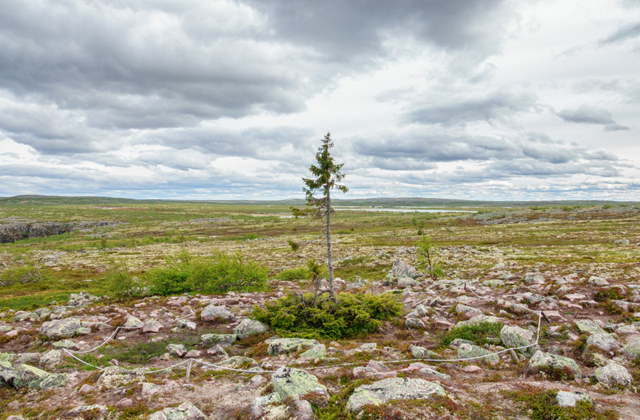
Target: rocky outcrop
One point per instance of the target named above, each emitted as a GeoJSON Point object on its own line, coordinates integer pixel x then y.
{"type": "Point", "coordinates": [63, 328]}
{"type": "Point", "coordinates": [18, 231]}
{"type": "Point", "coordinates": [185, 411]}
{"type": "Point", "coordinates": [554, 366]}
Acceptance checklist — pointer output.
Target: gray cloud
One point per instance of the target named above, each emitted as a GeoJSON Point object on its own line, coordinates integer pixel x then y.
{"type": "Point", "coordinates": [622, 34]}
{"type": "Point", "coordinates": [591, 115]}
{"type": "Point", "coordinates": [461, 110]}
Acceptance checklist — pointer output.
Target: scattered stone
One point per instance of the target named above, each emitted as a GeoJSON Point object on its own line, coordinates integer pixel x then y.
{"type": "Point", "coordinates": [294, 383]}
{"type": "Point", "coordinates": [389, 389]}
{"type": "Point", "coordinates": [149, 389]}
{"type": "Point", "coordinates": [621, 242]}
{"type": "Point", "coordinates": [415, 323]}
{"type": "Point", "coordinates": [471, 369]}
{"type": "Point", "coordinates": [114, 376]}
{"type": "Point", "coordinates": [290, 345]}
{"type": "Point", "coordinates": [237, 362]}
{"type": "Point", "coordinates": [177, 350]}
{"type": "Point", "coordinates": [82, 299]}
{"type": "Point", "coordinates": [519, 337]}
{"type": "Point", "coordinates": [405, 282]}
{"type": "Point", "coordinates": [66, 344]}
{"type": "Point", "coordinates": [614, 375]}
{"type": "Point", "coordinates": [401, 269]}
{"type": "Point", "coordinates": [95, 411]}
{"type": "Point", "coordinates": [479, 319]}
{"type": "Point", "coordinates": [86, 389]}
{"type": "Point", "coordinates": [217, 312]}
{"type": "Point", "coordinates": [467, 311]}
{"type": "Point", "coordinates": [314, 352]}
{"type": "Point", "coordinates": [133, 322]}
{"type": "Point", "coordinates": [50, 358]}
{"type": "Point", "coordinates": [124, 403]}
{"type": "Point", "coordinates": [597, 281]}
{"type": "Point", "coordinates": [469, 351]}
{"type": "Point", "coordinates": [588, 326]}
{"type": "Point", "coordinates": [554, 365]}
{"type": "Point", "coordinates": [423, 353]}
{"type": "Point", "coordinates": [152, 326]}
{"type": "Point", "coordinates": [224, 340]}
{"type": "Point", "coordinates": [570, 399]}
{"type": "Point", "coordinates": [185, 324]}
{"type": "Point", "coordinates": [602, 341]}
{"type": "Point", "coordinates": [63, 328]}
{"type": "Point", "coordinates": [632, 349]}
{"type": "Point", "coordinates": [185, 411]}
{"type": "Point", "coordinates": [193, 354]}
{"type": "Point", "coordinates": [217, 350]}
{"type": "Point", "coordinates": [250, 327]}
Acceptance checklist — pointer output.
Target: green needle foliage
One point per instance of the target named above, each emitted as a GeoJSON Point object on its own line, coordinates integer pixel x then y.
{"type": "Point", "coordinates": [350, 316]}
{"type": "Point", "coordinates": [326, 175]}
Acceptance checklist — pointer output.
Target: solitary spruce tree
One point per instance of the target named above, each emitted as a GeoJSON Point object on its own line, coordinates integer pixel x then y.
{"type": "Point", "coordinates": [326, 173]}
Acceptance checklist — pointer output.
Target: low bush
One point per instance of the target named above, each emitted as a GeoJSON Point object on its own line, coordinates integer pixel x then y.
{"type": "Point", "coordinates": [293, 274]}
{"type": "Point", "coordinates": [542, 405]}
{"type": "Point", "coordinates": [25, 275]}
{"type": "Point", "coordinates": [477, 333]}
{"type": "Point", "coordinates": [353, 315]}
{"type": "Point", "coordinates": [122, 285]}
{"type": "Point", "coordinates": [218, 274]}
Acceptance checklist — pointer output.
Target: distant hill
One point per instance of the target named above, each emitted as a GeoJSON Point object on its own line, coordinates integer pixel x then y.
{"type": "Point", "coordinates": [45, 200]}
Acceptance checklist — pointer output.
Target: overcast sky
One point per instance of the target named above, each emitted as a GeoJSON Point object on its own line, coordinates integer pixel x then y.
{"type": "Point", "coordinates": [483, 99]}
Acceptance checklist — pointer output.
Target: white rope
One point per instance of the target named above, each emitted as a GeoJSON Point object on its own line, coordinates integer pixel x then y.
{"type": "Point", "coordinates": [106, 340]}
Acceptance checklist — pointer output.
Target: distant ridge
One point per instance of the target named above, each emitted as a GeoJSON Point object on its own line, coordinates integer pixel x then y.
{"type": "Point", "coordinates": [376, 202]}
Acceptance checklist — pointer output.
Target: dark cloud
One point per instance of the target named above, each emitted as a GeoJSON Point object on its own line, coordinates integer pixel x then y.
{"type": "Point", "coordinates": [623, 34]}
{"type": "Point", "coordinates": [461, 110]}
{"type": "Point", "coordinates": [591, 115]}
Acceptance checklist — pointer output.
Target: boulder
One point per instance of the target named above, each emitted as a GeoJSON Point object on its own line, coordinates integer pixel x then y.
{"type": "Point", "coordinates": [479, 319]}
{"type": "Point", "coordinates": [632, 349]}
{"type": "Point", "coordinates": [555, 366]}
{"type": "Point", "coordinates": [177, 350]}
{"type": "Point", "coordinates": [290, 345]}
{"type": "Point", "coordinates": [589, 326]}
{"type": "Point", "coordinates": [467, 311]}
{"type": "Point", "coordinates": [217, 312]}
{"type": "Point", "coordinates": [185, 324]}
{"type": "Point", "coordinates": [151, 326]}
{"type": "Point", "coordinates": [133, 322]}
{"type": "Point", "coordinates": [570, 399]}
{"type": "Point", "coordinates": [405, 282]}
{"type": "Point", "coordinates": [26, 376]}
{"type": "Point", "coordinates": [422, 353]}
{"type": "Point", "coordinates": [383, 391]}
{"type": "Point", "coordinates": [223, 340]}
{"type": "Point", "coordinates": [294, 383]}
{"type": "Point", "coordinates": [519, 337]}
{"type": "Point", "coordinates": [597, 281]}
{"type": "Point", "coordinates": [415, 323]}
{"type": "Point", "coordinates": [63, 328]}
{"type": "Point", "coordinates": [314, 352]}
{"type": "Point", "coordinates": [50, 358]}
{"type": "Point", "coordinates": [614, 375]}
{"type": "Point", "coordinates": [401, 269]}
{"type": "Point", "coordinates": [114, 376]}
{"type": "Point", "coordinates": [469, 351]}
{"type": "Point", "coordinates": [94, 412]}
{"type": "Point", "coordinates": [81, 299]}
{"type": "Point", "coordinates": [236, 362]}
{"type": "Point", "coordinates": [603, 341]}
{"type": "Point", "coordinates": [250, 327]}
{"type": "Point", "coordinates": [185, 411]}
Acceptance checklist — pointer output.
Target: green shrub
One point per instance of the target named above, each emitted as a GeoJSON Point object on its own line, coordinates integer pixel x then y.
{"type": "Point", "coordinates": [25, 275]}
{"type": "Point", "coordinates": [218, 274]}
{"type": "Point", "coordinates": [429, 256]}
{"type": "Point", "coordinates": [122, 285]}
{"type": "Point", "coordinates": [542, 405]}
{"type": "Point", "coordinates": [294, 245]}
{"type": "Point", "coordinates": [477, 333]}
{"type": "Point", "coordinates": [293, 274]}
{"type": "Point", "coordinates": [352, 316]}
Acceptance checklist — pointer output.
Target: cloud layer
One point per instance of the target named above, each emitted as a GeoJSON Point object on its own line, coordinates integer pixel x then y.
{"type": "Point", "coordinates": [229, 98]}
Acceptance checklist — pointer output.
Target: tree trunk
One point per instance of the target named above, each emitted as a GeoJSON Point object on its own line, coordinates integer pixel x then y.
{"type": "Point", "coordinates": [329, 256]}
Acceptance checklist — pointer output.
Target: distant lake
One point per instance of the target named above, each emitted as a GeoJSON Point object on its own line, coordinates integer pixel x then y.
{"type": "Point", "coordinates": [402, 210]}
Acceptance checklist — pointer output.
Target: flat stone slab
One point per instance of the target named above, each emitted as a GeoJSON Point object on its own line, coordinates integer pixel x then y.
{"type": "Point", "coordinates": [389, 389]}
{"type": "Point", "coordinates": [290, 345]}
{"type": "Point", "coordinates": [185, 411]}
{"type": "Point", "coordinates": [570, 399]}
{"type": "Point", "coordinates": [223, 340]}
{"type": "Point", "coordinates": [294, 383]}
{"type": "Point", "coordinates": [590, 327]}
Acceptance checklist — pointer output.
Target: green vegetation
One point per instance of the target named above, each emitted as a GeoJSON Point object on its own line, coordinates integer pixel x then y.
{"type": "Point", "coordinates": [292, 274]}
{"type": "Point", "coordinates": [429, 257]}
{"type": "Point", "coordinates": [218, 274]}
{"type": "Point", "coordinates": [542, 405]}
{"type": "Point", "coordinates": [477, 333]}
{"type": "Point", "coordinates": [353, 315]}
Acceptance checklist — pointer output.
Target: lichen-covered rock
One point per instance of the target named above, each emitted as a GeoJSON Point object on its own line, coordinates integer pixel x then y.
{"type": "Point", "coordinates": [604, 342]}
{"type": "Point", "coordinates": [389, 389]}
{"type": "Point", "coordinates": [570, 399]}
{"type": "Point", "coordinates": [415, 323]}
{"type": "Point", "coordinates": [555, 366]}
{"type": "Point", "coordinates": [314, 352]}
{"type": "Point", "coordinates": [467, 311]}
{"type": "Point", "coordinates": [50, 358]}
{"type": "Point", "coordinates": [519, 337]}
{"type": "Point", "coordinates": [82, 299]}
{"type": "Point", "coordinates": [185, 411]}
{"type": "Point", "coordinates": [588, 326]}
{"type": "Point", "coordinates": [152, 326]}
{"type": "Point", "coordinates": [95, 411]}
{"type": "Point", "coordinates": [294, 383]}
{"type": "Point", "coordinates": [290, 345]}
{"type": "Point", "coordinates": [63, 328]}
{"type": "Point", "coordinates": [114, 376]}
{"type": "Point", "coordinates": [422, 353]}
{"type": "Point", "coordinates": [469, 351]}
{"type": "Point", "coordinates": [185, 324]}
{"type": "Point", "coordinates": [597, 281]}
{"type": "Point", "coordinates": [405, 282]}
{"type": "Point", "coordinates": [177, 350]}
{"type": "Point", "coordinates": [217, 312]}
{"type": "Point", "coordinates": [632, 349]}
{"type": "Point", "coordinates": [66, 344]}
{"type": "Point", "coordinates": [614, 375]}
{"type": "Point", "coordinates": [250, 327]}
{"type": "Point", "coordinates": [24, 376]}
{"type": "Point", "coordinates": [236, 362]}
{"type": "Point", "coordinates": [133, 322]}
{"type": "Point", "coordinates": [223, 340]}
{"type": "Point", "coordinates": [401, 269]}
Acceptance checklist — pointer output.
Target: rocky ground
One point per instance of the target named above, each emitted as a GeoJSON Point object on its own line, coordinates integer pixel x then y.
{"type": "Point", "coordinates": [571, 310]}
